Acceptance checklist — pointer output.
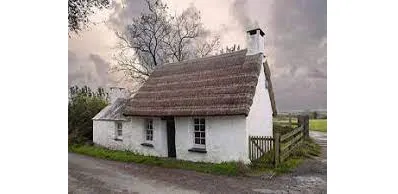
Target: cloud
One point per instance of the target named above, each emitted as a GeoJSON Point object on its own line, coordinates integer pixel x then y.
{"type": "Point", "coordinates": [78, 74]}
{"type": "Point", "coordinates": [239, 10]}
{"type": "Point", "coordinates": [124, 12]}
{"type": "Point", "coordinates": [296, 43]}
{"type": "Point", "coordinates": [101, 68]}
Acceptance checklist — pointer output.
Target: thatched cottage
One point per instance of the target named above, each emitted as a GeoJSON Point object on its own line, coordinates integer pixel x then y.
{"type": "Point", "coordinates": [198, 110]}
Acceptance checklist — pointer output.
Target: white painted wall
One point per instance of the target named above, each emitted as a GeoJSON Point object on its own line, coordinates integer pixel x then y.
{"type": "Point", "coordinates": [226, 139]}
{"type": "Point", "coordinates": [104, 133]}
{"type": "Point", "coordinates": [259, 120]}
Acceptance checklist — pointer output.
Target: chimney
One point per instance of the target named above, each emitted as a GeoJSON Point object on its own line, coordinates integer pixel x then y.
{"type": "Point", "coordinates": [117, 92]}
{"type": "Point", "coordinates": [255, 41]}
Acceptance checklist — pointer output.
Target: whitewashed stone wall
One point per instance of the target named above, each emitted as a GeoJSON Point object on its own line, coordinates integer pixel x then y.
{"type": "Point", "coordinates": [104, 133]}
{"type": "Point", "coordinates": [226, 139]}
{"type": "Point", "coordinates": [259, 120]}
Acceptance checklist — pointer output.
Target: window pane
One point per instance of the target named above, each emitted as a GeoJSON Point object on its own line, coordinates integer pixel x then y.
{"type": "Point", "coordinates": [202, 128]}
{"type": "Point", "coordinates": [203, 141]}
{"type": "Point", "coordinates": [119, 132]}
{"type": "Point", "coordinates": [197, 134]}
{"type": "Point", "coordinates": [202, 134]}
{"type": "Point", "coordinates": [197, 141]}
{"type": "Point", "coordinates": [202, 121]}
{"type": "Point", "coordinates": [196, 121]}
{"type": "Point", "coordinates": [196, 127]}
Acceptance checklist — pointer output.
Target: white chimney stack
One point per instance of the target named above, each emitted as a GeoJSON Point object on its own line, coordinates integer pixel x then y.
{"type": "Point", "coordinates": [255, 41]}
{"type": "Point", "coordinates": [116, 92]}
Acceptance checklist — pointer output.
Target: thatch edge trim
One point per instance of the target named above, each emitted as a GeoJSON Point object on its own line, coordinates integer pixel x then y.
{"type": "Point", "coordinates": [267, 73]}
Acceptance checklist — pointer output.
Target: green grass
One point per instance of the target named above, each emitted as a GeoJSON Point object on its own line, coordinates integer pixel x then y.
{"type": "Point", "coordinates": [315, 124]}
{"type": "Point", "coordinates": [308, 149]}
{"type": "Point", "coordinates": [226, 168]}
{"type": "Point", "coordinates": [318, 125]}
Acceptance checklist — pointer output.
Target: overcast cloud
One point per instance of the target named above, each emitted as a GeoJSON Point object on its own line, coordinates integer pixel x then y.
{"type": "Point", "coordinates": [296, 42]}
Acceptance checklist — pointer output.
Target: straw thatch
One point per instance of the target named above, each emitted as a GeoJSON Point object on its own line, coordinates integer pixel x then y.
{"type": "Point", "coordinates": [217, 85]}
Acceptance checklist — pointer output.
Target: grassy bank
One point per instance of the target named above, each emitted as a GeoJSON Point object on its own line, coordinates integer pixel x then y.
{"type": "Point", "coordinates": [226, 168]}
{"type": "Point", "coordinates": [308, 149]}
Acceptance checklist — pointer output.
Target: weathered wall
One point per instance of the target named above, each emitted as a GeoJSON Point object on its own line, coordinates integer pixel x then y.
{"type": "Point", "coordinates": [226, 139]}
{"type": "Point", "coordinates": [104, 133]}
{"type": "Point", "coordinates": [259, 120]}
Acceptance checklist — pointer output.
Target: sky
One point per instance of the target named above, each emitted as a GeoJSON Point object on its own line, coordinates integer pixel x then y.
{"type": "Point", "coordinates": [295, 33]}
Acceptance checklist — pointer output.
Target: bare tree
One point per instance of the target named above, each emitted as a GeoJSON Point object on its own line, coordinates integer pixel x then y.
{"type": "Point", "coordinates": [206, 45]}
{"type": "Point", "coordinates": [188, 38]}
{"type": "Point", "coordinates": [156, 37]}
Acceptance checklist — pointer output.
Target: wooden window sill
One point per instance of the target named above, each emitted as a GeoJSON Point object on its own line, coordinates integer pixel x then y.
{"type": "Point", "coordinates": [147, 145]}
{"type": "Point", "coordinates": [198, 150]}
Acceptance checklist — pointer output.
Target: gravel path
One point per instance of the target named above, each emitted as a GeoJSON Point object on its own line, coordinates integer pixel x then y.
{"type": "Point", "coordinates": [92, 175]}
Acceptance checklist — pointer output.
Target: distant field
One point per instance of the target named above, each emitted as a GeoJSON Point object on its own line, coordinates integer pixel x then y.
{"type": "Point", "coordinates": [315, 124]}
{"type": "Point", "coordinates": [318, 125]}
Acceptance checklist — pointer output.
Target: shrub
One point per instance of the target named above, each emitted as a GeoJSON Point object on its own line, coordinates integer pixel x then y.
{"type": "Point", "coordinates": [82, 107]}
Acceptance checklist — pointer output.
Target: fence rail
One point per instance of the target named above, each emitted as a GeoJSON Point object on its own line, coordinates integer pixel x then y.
{"type": "Point", "coordinates": [283, 145]}
{"type": "Point", "coordinates": [259, 145]}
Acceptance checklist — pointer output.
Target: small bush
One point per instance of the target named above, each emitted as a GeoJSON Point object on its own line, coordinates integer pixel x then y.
{"type": "Point", "coordinates": [83, 105]}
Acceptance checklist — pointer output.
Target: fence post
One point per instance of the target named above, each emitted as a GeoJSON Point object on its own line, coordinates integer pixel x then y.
{"type": "Point", "coordinates": [276, 147]}
{"type": "Point", "coordinates": [306, 120]}
{"type": "Point", "coordinates": [250, 149]}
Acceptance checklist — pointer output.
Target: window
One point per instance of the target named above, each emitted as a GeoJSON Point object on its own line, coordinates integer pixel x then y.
{"type": "Point", "coordinates": [149, 130]}
{"type": "Point", "coordinates": [199, 132]}
{"type": "Point", "coordinates": [119, 132]}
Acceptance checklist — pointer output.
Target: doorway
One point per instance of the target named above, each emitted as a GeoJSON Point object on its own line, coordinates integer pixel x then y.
{"type": "Point", "coordinates": [171, 141]}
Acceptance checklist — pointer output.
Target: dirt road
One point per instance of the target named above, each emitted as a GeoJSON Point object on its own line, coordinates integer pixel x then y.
{"type": "Point", "coordinates": [91, 175]}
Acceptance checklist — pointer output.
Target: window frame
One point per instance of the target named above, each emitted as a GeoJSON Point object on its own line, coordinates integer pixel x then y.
{"type": "Point", "coordinates": [201, 129]}
{"type": "Point", "coordinates": [118, 123]}
{"type": "Point", "coordinates": [147, 129]}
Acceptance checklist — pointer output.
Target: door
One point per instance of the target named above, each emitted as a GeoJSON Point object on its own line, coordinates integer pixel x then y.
{"type": "Point", "coordinates": [171, 141]}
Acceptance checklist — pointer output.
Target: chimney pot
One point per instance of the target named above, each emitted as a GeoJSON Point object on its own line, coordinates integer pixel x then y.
{"type": "Point", "coordinates": [255, 41]}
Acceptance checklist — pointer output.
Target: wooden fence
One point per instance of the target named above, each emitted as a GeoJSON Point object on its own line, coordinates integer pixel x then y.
{"type": "Point", "coordinates": [282, 144]}
{"type": "Point", "coordinates": [259, 145]}
{"type": "Point", "coordinates": [285, 144]}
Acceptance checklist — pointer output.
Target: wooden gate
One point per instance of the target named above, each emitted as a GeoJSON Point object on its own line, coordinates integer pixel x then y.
{"type": "Point", "coordinates": [259, 145]}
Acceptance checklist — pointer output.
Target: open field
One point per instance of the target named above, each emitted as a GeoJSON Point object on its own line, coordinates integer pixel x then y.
{"type": "Point", "coordinates": [315, 124]}
{"type": "Point", "coordinates": [318, 125]}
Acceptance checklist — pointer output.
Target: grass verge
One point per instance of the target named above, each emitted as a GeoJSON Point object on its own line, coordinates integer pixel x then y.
{"type": "Point", "coordinates": [266, 163]}
{"type": "Point", "coordinates": [225, 168]}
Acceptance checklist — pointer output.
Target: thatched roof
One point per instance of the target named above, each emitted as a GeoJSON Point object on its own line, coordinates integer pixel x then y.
{"type": "Point", "coordinates": [216, 85]}
{"type": "Point", "coordinates": [113, 111]}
